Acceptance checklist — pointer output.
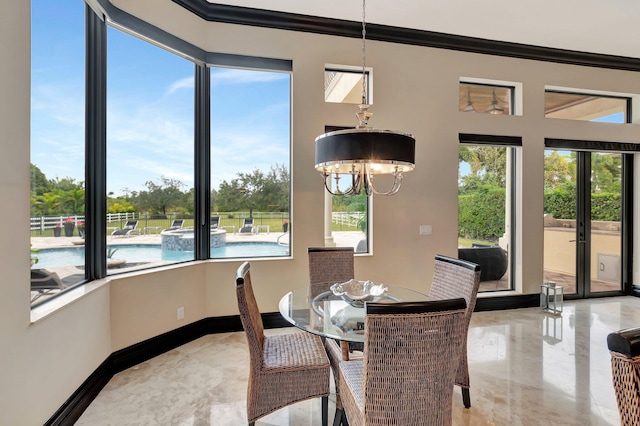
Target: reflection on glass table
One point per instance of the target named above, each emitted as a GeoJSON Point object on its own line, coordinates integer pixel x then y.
{"type": "Point", "coordinates": [337, 317]}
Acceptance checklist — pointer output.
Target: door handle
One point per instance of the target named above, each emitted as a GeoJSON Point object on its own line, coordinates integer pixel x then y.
{"type": "Point", "coordinates": [580, 241]}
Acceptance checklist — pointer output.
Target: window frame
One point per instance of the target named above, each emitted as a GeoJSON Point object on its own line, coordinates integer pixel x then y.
{"type": "Point", "coordinates": [578, 92]}
{"type": "Point", "coordinates": [515, 143]}
{"type": "Point", "coordinates": [350, 69]}
{"type": "Point", "coordinates": [98, 15]}
{"type": "Point", "coordinates": [511, 88]}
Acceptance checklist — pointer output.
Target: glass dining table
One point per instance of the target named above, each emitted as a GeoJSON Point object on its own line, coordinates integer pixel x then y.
{"type": "Point", "coordinates": [336, 317]}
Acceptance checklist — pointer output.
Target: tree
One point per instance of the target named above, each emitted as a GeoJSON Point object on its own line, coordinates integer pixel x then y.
{"type": "Point", "coordinates": [355, 203]}
{"type": "Point", "coordinates": [48, 203]}
{"type": "Point", "coordinates": [162, 196]}
{"type": "Point", "coordinates": [255, 190]}
{"type": "Point", "coordinates": [74, 198]}
{"type": "Point", "coordinates": [487, 164]}
{"type": "Point", "coordinates": [119, 205]}
{"type": "Point", "coordinates": [556, 170]}
{"type": "Point", "coordinates": [39, 182]}
{"type": "Point", "coordinates": [606, 171]}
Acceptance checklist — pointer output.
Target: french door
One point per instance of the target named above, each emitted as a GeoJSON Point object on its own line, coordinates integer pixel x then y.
{"type": "Point", "coordinates": [585, 224]}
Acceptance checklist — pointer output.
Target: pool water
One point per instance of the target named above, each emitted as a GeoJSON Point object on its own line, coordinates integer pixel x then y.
{"type": "Point", "coordinates": [152, 253]}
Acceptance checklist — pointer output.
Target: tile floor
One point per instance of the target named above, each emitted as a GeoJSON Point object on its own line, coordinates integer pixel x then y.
{"type": "Point", "coordinates": [526, 367]}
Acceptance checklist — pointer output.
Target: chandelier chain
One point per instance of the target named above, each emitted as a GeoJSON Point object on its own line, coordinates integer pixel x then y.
{"type": "Point", "coordinates": [364, 54]}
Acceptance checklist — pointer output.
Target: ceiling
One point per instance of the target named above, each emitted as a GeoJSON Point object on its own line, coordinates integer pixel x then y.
{"type": "Point", "coordinates": [597, 26]}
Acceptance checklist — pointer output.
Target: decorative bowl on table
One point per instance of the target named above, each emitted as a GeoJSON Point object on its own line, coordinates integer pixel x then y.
{"type": "Point", "coordinates": [357, 292]}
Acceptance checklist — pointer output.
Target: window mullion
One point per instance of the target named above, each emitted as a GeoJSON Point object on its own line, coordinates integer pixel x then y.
{"type": "Point", "coordinates": [96, 147]}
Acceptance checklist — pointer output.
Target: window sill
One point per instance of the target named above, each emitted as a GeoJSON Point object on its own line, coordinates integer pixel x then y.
{"type": "Point", "coordinates": [42, 311]}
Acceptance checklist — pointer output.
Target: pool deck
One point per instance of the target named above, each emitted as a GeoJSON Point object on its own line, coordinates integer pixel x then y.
{"type": "Point", "coordinates": [341, 239]}
{"type": "Point", "coordinates": [151, 239]}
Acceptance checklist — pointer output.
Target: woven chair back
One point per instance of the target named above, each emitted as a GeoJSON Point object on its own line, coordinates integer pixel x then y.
{"type": "Point", "coordinates": [457, 278]}
{"type": "Point", "coordinates": [250, 314]}
{"type": "Point", "coordinates": [327, 266]}
{"type": "Point", "coordinates": [410, 360]}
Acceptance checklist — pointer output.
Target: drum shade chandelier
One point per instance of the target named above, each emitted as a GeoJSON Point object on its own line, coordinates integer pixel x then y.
{"type": "Point", "coordinates": [364, 152]}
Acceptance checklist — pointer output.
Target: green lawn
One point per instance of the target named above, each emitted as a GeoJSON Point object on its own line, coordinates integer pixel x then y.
{"type": "Point", "coordinates": [466, 242]}
{"type": "Point", "coordinates": [275, 223]}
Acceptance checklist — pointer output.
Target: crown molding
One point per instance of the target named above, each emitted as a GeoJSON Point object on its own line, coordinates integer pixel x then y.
{"type": "Point", "coordinates": [313, 24]}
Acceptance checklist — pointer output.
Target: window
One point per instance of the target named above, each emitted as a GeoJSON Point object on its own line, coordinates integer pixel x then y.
{"type": "Point", "coordinates": [486, 207]}
{"type": "Point", "coordinates": [250, 163]}
{"type": "Point", "coordinates": [150, 155]}
{"type": "Point", "coordinates": [57, 146]}
{"type": "Point", "coordinates": [585, 107]}
{"type": "Point", "coordinates": [343, 84]}
{"type": "Point", "coordinates": [485, 98]}
{"type": "Point", "coordinates": [350, 216]}
{"type": "Point", "coordinates": [151, 178]}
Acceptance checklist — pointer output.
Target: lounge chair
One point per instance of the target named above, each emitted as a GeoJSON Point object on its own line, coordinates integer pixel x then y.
{"type": "Point", "coordinates": [215, 222]}
{"type": "Point", "coordinates": [177, 224]}
{"type": "Point", "coordinates": [129, 228]}
{"type": "Point", "coordinates": [43, 282]}
{"type": "Point", "coordinates": [247, 226]}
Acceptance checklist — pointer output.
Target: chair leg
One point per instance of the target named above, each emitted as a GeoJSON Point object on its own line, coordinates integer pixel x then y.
{"type": "Point", "coordinates": [345, 422]}
{"type": "Point", "coordinates": [325, 410]}
{"type": "Point", "coordinates": [337, 420]}
{"type": "Point", "coordinates": [466, 398]}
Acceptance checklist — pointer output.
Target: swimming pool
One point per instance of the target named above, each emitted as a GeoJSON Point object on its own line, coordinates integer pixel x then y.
{"type": "Point", "coordinates": [154, 253]}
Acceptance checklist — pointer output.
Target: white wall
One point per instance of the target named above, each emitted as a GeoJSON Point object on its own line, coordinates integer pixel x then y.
{"type": "Point", "coordinates": [43, 363]}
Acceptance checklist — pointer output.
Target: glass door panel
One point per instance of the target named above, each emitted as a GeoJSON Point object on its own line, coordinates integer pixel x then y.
{"type": "Point", "coordinates": [583, 221]}
{"type": "Point", "coordinates": [560, 231]}
{"type": "Point", "coordinates": [606, 222]}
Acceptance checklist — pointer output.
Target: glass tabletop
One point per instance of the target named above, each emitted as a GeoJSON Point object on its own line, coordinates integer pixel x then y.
{"type": "Point", "coordinates": [332, 316]}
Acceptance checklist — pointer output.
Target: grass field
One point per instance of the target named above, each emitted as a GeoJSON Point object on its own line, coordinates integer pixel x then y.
{"type": "Point", "coordinates": [275, 222]}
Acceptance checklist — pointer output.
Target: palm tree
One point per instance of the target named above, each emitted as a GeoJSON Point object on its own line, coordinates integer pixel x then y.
{"type": "Point", "coordinates": [49, 202]}
{"type": "Point", "coordinates": [75, 198]}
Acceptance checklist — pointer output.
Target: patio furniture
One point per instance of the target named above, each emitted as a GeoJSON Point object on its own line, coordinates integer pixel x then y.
{"type": "Point", "coordinates": [177, 224]}
{"type": "Point", "coordinates": [457, 278]}
{"type": "Point", "coordinates": [411, 354]}
{"type": "Point", "coordinates": [284, 369]}
{"type": "Point", "coordinates": [247, 226]}
{"type": "Point", "coordinates": [624, 346]}
{"type": "Point", "coordinates": [129, 228]}
{"type": "Point", "coordinates": [215, 222]}
{"type": "Point", "coordinates": [493, 260]}
{"type": "Point", "coordinates": [43, 282]}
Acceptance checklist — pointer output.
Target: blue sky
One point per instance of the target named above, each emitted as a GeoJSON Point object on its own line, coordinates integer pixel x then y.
{"type": "Point", "coordinates": [149, 108]}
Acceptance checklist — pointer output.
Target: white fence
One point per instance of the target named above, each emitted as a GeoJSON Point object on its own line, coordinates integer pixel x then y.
{"type": "Point", "coordinates": [41, 223]}
{"type": "Point", "coordinates": [347, 218]}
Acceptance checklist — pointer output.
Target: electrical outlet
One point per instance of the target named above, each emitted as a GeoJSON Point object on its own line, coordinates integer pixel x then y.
{"type": "Point", "coordinates": [180, 312]}
{"type": "Point", "coordinates": [425, 229]}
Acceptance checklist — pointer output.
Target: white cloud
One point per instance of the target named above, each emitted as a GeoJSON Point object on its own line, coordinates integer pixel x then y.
{"type": "Point", "coordinates": [183, 83]}
{"type": "Point", "coordinates": [225, 76]}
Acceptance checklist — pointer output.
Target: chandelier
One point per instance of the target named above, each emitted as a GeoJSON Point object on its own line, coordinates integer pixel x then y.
{"type": "Point", "coordinates": [364, 152]}
{"type": "Point", "coordinates": [494, 108]}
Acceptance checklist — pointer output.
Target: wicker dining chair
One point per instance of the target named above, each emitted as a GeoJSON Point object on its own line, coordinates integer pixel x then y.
{"type": "Point", "coordinates": [406, 377]}
{"type": "Point", "coordinates": [624, 346]}
{"type": "Point", "coordinates": [327, 266]}
{"type": "Point", "coordinates": [457, 278]}
{"type": "Point", "coordinates": [284, 369]}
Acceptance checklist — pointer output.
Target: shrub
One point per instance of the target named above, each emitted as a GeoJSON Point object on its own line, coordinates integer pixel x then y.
{"type": "Point", "coordinates": [481, 215]}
